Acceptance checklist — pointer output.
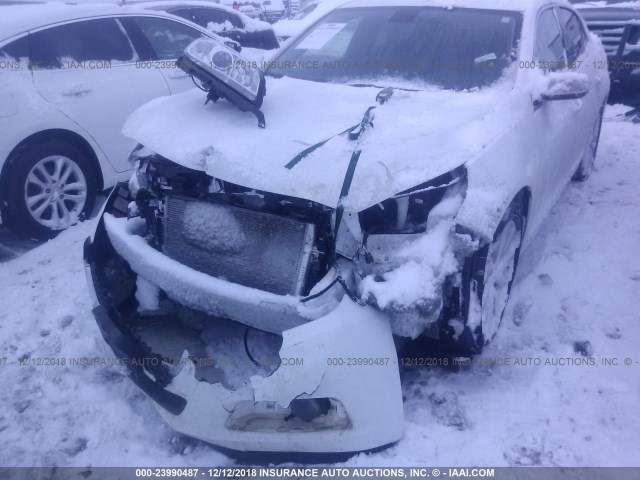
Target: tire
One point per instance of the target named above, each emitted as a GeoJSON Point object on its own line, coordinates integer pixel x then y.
{"type": "Point", "coordinates": [484, 291]}
{"type": "Point", "coordinates": [39, 205]}
{"type": "Point", "coordinates": [588, 159]}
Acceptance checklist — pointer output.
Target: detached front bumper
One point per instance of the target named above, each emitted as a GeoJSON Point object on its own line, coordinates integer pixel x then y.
{"type": "Point", "coordinates": [346, 357]}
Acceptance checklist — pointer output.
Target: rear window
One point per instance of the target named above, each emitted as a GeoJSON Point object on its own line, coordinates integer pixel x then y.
{"type": "Point", "coordinates": [15, 55]}
{"type": "Point", "coordinates": [167, 38]}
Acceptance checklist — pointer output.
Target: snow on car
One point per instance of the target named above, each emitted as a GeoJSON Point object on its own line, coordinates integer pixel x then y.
{"type": "Point", "coordinates": [263, 278]}
{"type": "Point", "coordinates": [222, 20]}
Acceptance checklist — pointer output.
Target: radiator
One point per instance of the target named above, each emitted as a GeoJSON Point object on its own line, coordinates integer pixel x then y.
{"type": "Point", "coordinates": [251, 248]}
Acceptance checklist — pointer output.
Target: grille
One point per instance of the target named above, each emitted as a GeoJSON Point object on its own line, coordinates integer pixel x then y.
{"type": "Point", "coordinates": [247, 247]}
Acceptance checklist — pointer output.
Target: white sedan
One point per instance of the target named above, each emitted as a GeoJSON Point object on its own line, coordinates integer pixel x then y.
{"type": "Point", "coordinates": [69, 78]}
{"type": "Point", "coordinates": [409, 152]}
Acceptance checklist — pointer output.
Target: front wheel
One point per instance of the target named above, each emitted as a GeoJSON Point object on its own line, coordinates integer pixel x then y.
{"type": "Point", "coordinates": [51, 185]}
{"type": "Point", "coordinates": [487, 280]}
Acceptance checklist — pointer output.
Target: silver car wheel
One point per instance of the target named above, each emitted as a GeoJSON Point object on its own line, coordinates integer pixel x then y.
{"type": "Point", "coordinates": [498, 274]}
{"type": "Point", "coordinates": [55, 192]}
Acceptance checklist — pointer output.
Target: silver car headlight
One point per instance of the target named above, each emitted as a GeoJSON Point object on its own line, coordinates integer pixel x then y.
{"type": "Point", "coordinates": [226, 65]}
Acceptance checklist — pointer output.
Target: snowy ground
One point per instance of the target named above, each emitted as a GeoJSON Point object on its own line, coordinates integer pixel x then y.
{"type": "Point", "coordinates": [576, 283]}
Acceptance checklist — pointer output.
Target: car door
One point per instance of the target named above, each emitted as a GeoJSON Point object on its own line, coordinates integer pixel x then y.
{"type": "Point", "coordinates": [575, 42]}
{"type": "Point", "coordinates": [553, 123]}
{"type": "Point", "coordinates": [88, 70]}
{"type": "Point", "coordinates": [163, 40]}
{"type": "Point", "coordinates": [14, 66]}
{"type": "Point", "coordinates": [557, 117]}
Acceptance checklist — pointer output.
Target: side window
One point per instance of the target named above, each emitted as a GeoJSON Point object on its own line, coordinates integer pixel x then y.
{"type": "Point", "coordinates": [67, 46]}
{"type": "Point", "coordinates": [216, 19]}
{"type": "Point", "coordinates": [575, 37]}
{"type": "Point", "coordinates": [15, 55]}
{"type": "Point", "coordinates": [167, 38]}
{"type": "Point", "coordinates": [549, 46]}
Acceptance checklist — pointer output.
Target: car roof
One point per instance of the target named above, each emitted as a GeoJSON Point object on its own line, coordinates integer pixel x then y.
{"type": "Point", "coordinates": [16, 19]}
{"type": "Point", "coordinates": [509, 5]}
{"type": "Point", "coordinates": [169, 4]}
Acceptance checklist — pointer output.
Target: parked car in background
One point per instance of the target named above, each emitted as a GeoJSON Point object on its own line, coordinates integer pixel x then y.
{"type": "Point", "coordinates": [262, 278]}
{"type": "Point", "coordinates": [617, 23]}
{"type": "Point", "coordinates": [273, 10]}
{"type": "Point", "coordinates": [70, 76]}
{"type": "Point", "coordinates": [292, 7]}
{"type": "Point", "coordinates": [251, 10]}
{"type": "Point", "coordinates": [308, 15]}
{"type": "Point", "coordinates": [222, 20]}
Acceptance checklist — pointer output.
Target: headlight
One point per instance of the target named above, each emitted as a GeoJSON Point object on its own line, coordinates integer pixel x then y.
{"type": "Point", "coordinates": [226, 65]}
{"type": "Point", "coordinates": [410, 212]}
{"type": "Point", "coordinates": [224, 73]}
{"type": "Point", "coordinates": [407, 253]}
{"type": "Point", "coordinates": [403, 228]}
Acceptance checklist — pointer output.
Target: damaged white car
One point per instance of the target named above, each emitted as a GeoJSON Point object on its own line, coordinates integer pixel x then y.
{"type": "Point", "coordinates": [258, 280]}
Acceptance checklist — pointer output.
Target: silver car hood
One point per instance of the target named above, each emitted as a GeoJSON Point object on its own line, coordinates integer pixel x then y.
{"type": "Point", "coordinates": [416, 136]}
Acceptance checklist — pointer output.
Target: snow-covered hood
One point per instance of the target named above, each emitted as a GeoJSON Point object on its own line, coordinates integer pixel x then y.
{"type": "Point", "coordinates": [416, 136]}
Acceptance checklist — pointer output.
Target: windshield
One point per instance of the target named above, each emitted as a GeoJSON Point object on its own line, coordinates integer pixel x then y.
{"type": "Point", "coordinates": [450, 48]}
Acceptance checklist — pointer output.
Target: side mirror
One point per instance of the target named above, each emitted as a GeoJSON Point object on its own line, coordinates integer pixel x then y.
{"type": "Point", "coordinates": [561, 86]}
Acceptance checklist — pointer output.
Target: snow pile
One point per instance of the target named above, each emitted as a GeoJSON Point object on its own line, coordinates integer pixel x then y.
{"type": "Point", "coordinates": [147, 295]}
{"type": "Point", "coordinates": [255, 25]}
{"type": "Point", "coordinates": [213, 228]}
{"type": "Point", "coordinates": [220, 27]}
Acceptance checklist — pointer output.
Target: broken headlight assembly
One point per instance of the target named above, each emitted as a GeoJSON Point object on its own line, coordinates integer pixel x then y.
{"type": "Point", "coordinates": [406, 251]}
{"type": "Point", "coordinates": [412, 211]}
{"type": "Point", "coordinates": [223, 73]}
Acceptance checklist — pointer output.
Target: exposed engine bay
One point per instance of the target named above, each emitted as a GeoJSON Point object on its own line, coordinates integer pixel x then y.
{"type": "Point", "coordinates": [227, 289]}
{"type": "Point", "coordinates": [291, 246]}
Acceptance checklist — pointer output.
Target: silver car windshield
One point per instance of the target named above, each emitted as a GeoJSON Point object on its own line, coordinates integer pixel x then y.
{"type": "Point", "coordinates": [457, 48]}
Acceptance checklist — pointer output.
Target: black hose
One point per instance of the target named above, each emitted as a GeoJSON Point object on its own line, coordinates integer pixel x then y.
{"type": "Point", "coordinates": [246, 347]}
{"type": "Point", "coordinates": [323, 291]}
